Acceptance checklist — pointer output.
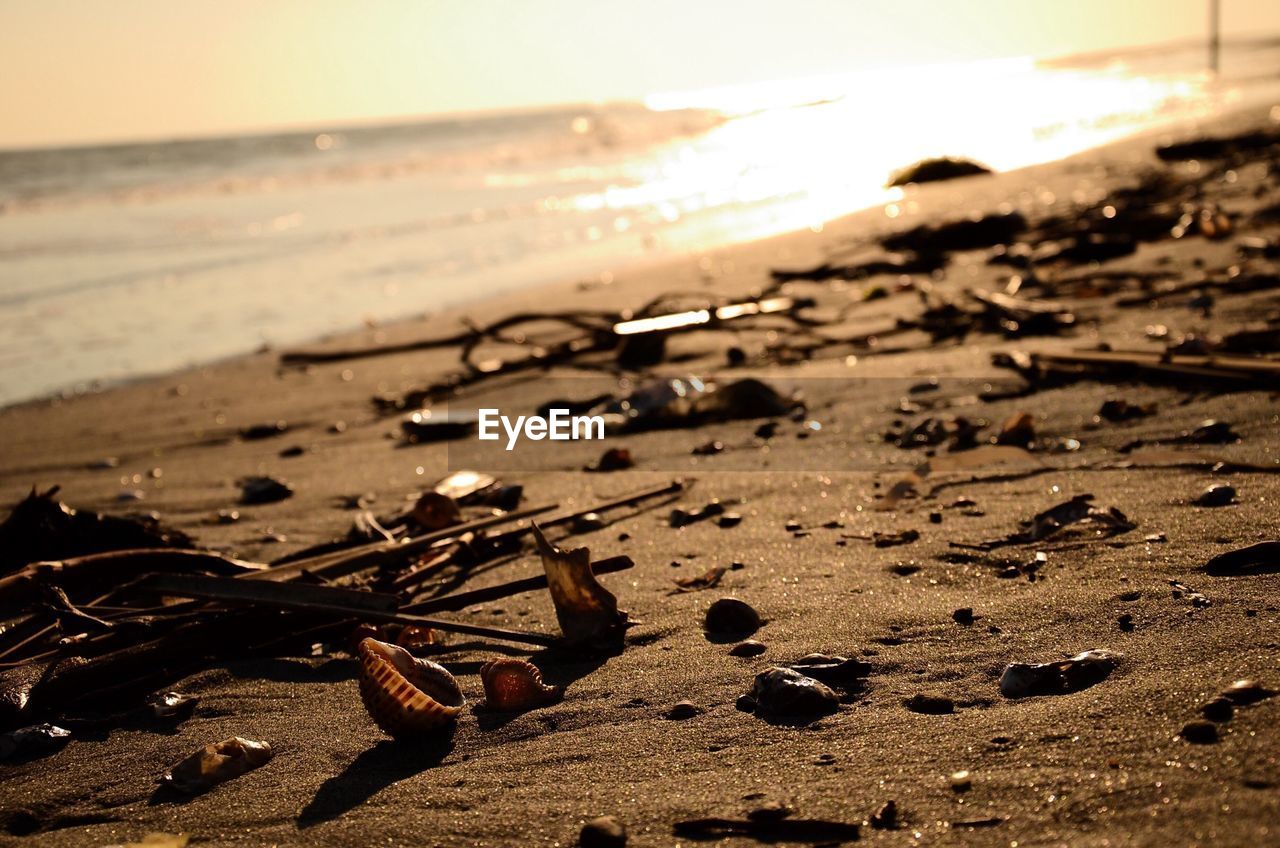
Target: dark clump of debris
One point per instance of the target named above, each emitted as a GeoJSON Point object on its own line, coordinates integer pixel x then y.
{"type": "Point", "coordinates": [935, 170]}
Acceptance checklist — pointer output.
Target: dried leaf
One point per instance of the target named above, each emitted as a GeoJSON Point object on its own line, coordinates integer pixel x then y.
{"type": "Point", "coordinates": [703, 581]}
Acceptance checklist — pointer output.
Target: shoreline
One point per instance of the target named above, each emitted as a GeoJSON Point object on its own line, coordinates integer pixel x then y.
{"type": "Point", "coordinates": [823, 549]}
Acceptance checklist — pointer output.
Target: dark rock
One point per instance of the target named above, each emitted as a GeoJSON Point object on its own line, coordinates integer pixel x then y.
{"type": "Point", "coordinates": [963, 616]}
{"type": "Point", "coordinates": [886, 818]}
{"type": "Point", "coordinates": [749, 648]}
{"type": "Point", "coordinates": [1219, 495]}
{"type": "Point", "coordinates": [682, 710]}
{"type": "Point", "coordinates": [1219, 709]}
{"type": "Point", "coordinates": [930, 704]}
{"type": "Point", "coordinates": [730, 616]}
{"type": "Point", "coordinates": [1200, 732]}
{"type": "Point", "coordinates": [603, 832]}
{"type": "Point", "coordinates": [936, 169]}
{"type": "Point", "coordinates": [787, 692]}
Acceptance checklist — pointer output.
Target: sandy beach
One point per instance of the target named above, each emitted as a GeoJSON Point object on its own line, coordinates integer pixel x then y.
{"type": "Point", "coordinates": [871, 519]}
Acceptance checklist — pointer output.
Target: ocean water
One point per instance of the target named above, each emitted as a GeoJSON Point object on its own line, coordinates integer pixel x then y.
{"type": "Point", "coordinates": [127, 260]}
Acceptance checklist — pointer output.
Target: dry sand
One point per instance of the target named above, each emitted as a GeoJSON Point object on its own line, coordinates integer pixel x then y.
{"type": "Point", "coordinates": [1103, 766]}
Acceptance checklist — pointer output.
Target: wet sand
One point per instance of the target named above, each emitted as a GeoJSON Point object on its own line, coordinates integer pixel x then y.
{"type": "Point", "coordinates": [1104, 765]}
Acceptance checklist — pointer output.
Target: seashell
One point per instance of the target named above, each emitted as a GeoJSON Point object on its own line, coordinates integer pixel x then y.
{"type": "Point", "coordinates": [515, 686]}
{"type": "Point", "coordinates": [216, 763]}
{"type": "Point", "coordinates": [406, 696]}
{"type": "Point", "coordinates": [31, 742]}
{"type": "Point", "coordinates": [588, 612]}
{"type": "Point", "coordinates": [785, 691]}
{"type": "Point", "coordinates": [1022, 680]}
{"type": "Point", "coordinates": [731, 617]}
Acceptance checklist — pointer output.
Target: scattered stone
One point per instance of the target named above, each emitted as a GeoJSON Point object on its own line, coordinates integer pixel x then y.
{"type": "Point", "coordinates": [963, 616]}
{"type": "Point", "coordinates": [934, 170]}
{"type": "Point", "coordinates": [787, 692]}
{"type": "Point", "coordinates": [1244, 692]}
{"type": "Point", "coordinates": [729, 519]}
{"type": "Point", "coordinates": [886, 818]}
{"type": "Point", "coordinates": [749, 648]}
{"type": "Point", "coordinates": [930, 704]}
{"type": "Point", "coordinates": [1125, 623]}
{"type": "Point", "coordinates": [709, 448]}
{"type": "Point", "coordinates": [1219, 495]}
{"type": "Point", "coordinates": [264, 431]}
{"type": "Point", "coordinates": [34, 741]}
{"type": "Point", "coordinates": [961, 781]}
{"type": "Point", "coordinates": [682, 710]}
{"type": "Point", "coordinates": [588, 522]}
{"type": "Point", "coordinates": [603, 832]}
{"type": "Point", "coordinates": [770, 811]}
{"type": "Point", "coordinates": [1022, 680]}
{"type": "Point", "coordinates": [834, 671]}
{"type": "Point", "coordinates": [264, 490]}
{"type": "Point", "coordinates": [1219, 709]}
{"type": "Point", "coordinates": [1200, 732]}
{"type": "Point", "coordinates": [613, 459]}
{"type": "Point", "coordinates": [730, 616]}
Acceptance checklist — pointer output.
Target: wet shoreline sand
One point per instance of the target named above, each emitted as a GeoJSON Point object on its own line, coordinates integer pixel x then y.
{"type": "Point", "coordinates": [1104, 763]}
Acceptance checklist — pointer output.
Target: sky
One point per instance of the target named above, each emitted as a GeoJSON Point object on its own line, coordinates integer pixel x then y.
{"type": "Point", "coordinates": [88, 71]}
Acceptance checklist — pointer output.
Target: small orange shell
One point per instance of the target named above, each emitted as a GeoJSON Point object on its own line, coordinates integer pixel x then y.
{"type": "Point", "coordinates": [406, 696]}
{"type": "Point", "coordinates": [515, 686]}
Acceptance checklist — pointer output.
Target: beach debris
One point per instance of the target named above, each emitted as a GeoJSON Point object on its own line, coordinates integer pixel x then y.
{"type": "Point", "coordinates": [267, 430]}
{"type": "Point", "coordinates": [28, 743]}
{"type": "Point", "coordinates": [812, 831]}
{"type": "Point", "coordinates": [682, 710]}
{"type": "Point", "coordinates": [710, 448]}
{"type": "Point", "coordinates": [216, 763]}
{"type": "Point", "coordinates": [588, 613]}
{"type": "Point", "coordinates": [1261, 558]}
{"type": "Point", "coordinates": [1062, 520]}
{"type": "Point", "coordinates": [891, 540]}
{"type": "Point", "coordinates": [961, 781]}
{"type": "Point", "coordinates": [1117, 410]}
{"type": "Point", "coordinates": [728, 520]}
{"type": "Point", "coordinates": [1018, 430]}
{"type": "Point", "coordinates": [702, 581]}
{"type": "Point", "coordinates": [172, 706]}
{"type": "Point", "coordinates": [1217, 147]}
{"type": "Point", "coordinates": [692, 401]}
{"type": "Point", "coordinates": [680, 517]}
{"type": "Point", "coordinates": [465, 485]}
{"type": "Point", "coordinates": [839, 671]}
{"type": "Point", "coordinates": [1216, 495]}
{"type": "Point", "coordinates": [748, 648]}
{"type": "Point", "coordinates": [263, 490]}
{"type": "Point", "coordinates": [929, 703]}
{"type": "Point", "coordinates": [885, 818]}
{"type": "Point", "coordinates": [41, 528]}
{"type": "Point", "coordinates": [1024, 680]}
{"type": "Point", "coordinates": [972, 233]}
{"type": "Point", "coordinates": [404, 695]}
{"type": "Point", "coordinates": [1200, 732]}
{"type": "Point", "coordinates": [958, 431]}
{"type": "Point", "coordinates": [435, 425]}
{"type": "Point", "coordinates": [434, 511]}
{"type": "Point", "coordinates": [1182, 590]}
{"type": "Point", "coordinates": [512, 685]}
{"type": "Point", "coordinates": [963, 616]}
{"type": "Point", "coordinates": [731, 617]}
{"type": "Point", "coordinates": [613, 459]}
{"type": "Point", "coordinates": [603, 832]}
{"type": "Point", "coordinates": [935, 170]}
{"type": "Point", "coordinates": [786, 692]}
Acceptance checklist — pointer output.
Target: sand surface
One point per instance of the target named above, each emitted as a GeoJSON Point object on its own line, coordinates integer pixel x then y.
{"type": "Point", "coordinates": [1101, 766]}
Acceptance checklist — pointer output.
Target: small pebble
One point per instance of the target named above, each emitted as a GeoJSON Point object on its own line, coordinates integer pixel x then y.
{"type": "Point", "coordinates": [1219, 495]}
{"type": "Point", "coordinates": [770, 811]}
{"type": "Point", "coordinates": [1200, 732]}
{"type": "Point", "coordinates": [1219, 709]}
{"type": "Point", "coordinates": [886, 818]}
{"type": "Point", "coordinates": [729, 519]}
{"type": "Point", "coordinates": [930, 704]}
{"type": "Point", "coordinates": [935, 518]}
{"type": "Point", "coordinates": [730, 615]}
{"type": "Point", "coordinates": [682, 710]}
{"type": "Point", "coordinates": [964, 616]}
{"type": "Point", "coordinates": [1125, 623]}
{"type": "Point", "coordinates": [749, 648]}
{"type": "Point", "coordinates": [1246, 691]}
{"type": "Point", "coordinates": [961, 781]}
{"type": "Point", "coordinates": [603, 832]}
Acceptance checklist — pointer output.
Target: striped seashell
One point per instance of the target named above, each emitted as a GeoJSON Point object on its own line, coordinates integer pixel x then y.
{"type": "Point", "coordinates": [406, 696]}
{"type": "Point", "coordinates": [515, 686]}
